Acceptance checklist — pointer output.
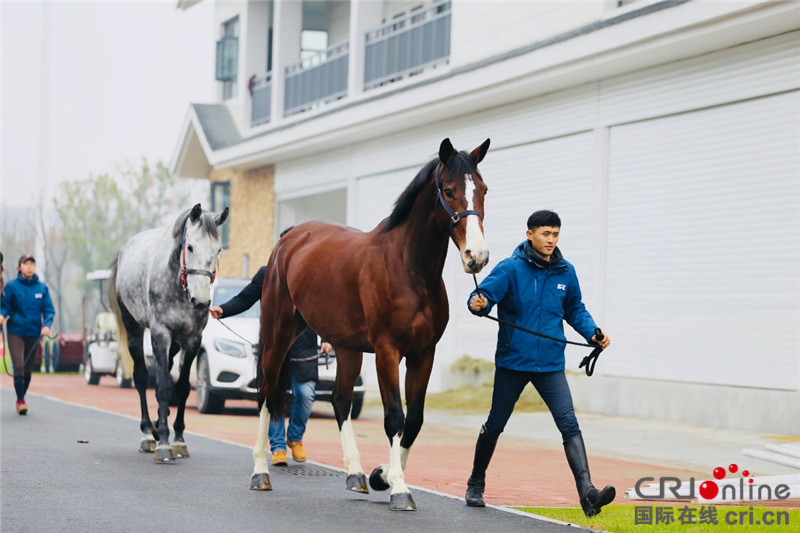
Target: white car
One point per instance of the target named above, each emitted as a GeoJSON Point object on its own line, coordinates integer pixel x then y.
{"type": "Point", "coordinates": [225, 366]}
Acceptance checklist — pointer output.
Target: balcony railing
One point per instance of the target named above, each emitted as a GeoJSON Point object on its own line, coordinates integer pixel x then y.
{"type": "Point", "coordinates": [316, 80]}
{"type": "Point", "coordinates": [408, 44]}
{"type": "Point", "coordinates": [261, 93]}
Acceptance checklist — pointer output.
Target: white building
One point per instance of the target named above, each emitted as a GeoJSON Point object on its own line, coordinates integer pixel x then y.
{"type": "Point", "coordinates": [665, 133]}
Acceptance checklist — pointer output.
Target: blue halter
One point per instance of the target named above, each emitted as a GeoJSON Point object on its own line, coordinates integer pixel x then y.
{"type": "Point", "coordinates": [454, 216]}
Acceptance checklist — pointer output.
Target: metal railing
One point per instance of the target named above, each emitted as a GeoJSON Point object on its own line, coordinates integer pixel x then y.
{"type": "Point", "coordinates": [261, 94]}
{"type": "Point", "coordinates": [316, 80]}
{"type": "Point", "coordinates": [408, 44]}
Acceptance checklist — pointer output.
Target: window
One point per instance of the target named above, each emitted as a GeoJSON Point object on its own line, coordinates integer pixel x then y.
{"type": "Point", "coordinates": [228, 58]}
{"type": "Point", "coordinates": [220, 199]}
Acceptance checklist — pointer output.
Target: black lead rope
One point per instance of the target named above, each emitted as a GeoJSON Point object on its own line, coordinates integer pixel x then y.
{"type": "Point", "coordinates": [589, 361]}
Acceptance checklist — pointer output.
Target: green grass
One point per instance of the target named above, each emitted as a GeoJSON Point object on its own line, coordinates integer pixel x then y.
{"type": "Point", "coordinates": [622, 518]}
{"type": "Point", "coordinates": [467, 397]}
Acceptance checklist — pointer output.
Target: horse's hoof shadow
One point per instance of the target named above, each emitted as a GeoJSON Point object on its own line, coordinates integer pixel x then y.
{"type": "Point", "coordinates": [402, 501]}
{"type": "Point", "coordinates": [147, 445]}
{"type": "Point", "coordinates": [163, 454]}
{"type": "Point", "coordinates": [260, 482]}
{"type": "Point", "coordinates": [376, 480]}
{"type": "Point", "coordinates": [180, 450]}
{"type": "Point", "coordinates": [357, 483]}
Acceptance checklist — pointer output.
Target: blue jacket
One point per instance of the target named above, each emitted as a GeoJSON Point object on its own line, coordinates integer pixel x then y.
{"type": "Point", "coordinates": [24, 304]}
{"type": "Point", "coordinates": [538, 297]}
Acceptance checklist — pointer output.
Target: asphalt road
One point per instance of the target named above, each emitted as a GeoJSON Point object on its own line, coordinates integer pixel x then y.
{"type": "Point", "coordinates": [72, 468]}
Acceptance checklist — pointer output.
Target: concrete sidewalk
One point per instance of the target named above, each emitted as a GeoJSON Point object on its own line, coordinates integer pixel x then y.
{"type": "Point", "coordinates": [683, 447]}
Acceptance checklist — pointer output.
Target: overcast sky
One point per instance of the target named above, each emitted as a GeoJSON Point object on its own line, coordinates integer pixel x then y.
{"type": "Point", "coordinates": [87, 84]}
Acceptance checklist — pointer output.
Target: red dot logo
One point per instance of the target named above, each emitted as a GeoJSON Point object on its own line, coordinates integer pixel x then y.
{"type": "Point", "coordinates": [709, 490]}
{"type": "Point", "coordinates": [719, 472]}
{"type": "Point", "coordinates": [733, 468]}
{"type": "Point", "coordinates": [745, 473]}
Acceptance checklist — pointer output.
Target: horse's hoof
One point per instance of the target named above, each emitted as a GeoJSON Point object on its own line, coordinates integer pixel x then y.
{"type": "Point", "coordinates": [163, 454]}
{"type": "Point", "coordinates": [376, 481]}
{"type": "Point", "coordinates": [180, 450]}
{"type": "Point", "coordinates": [402, 501]}
{"type": "Point", "coordinates": [357, 483]}
{"type": "Point", "coordinates": [260, 482]}
{"type": "Point", "coordinates": [147, 445]}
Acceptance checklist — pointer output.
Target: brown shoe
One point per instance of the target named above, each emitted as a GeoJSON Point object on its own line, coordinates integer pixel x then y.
{"type": "Point", "coordinates": [22, 407]}
{"type": "Point", "coordinates": [298, 451]}
{"type": "Point", "coordinates": [279, 458]}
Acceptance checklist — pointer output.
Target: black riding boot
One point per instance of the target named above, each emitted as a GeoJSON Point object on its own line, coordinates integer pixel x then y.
{"type": "Point", "coordinates": [484, 449]}
{"type": "Point", "coordinates": [19, 387]}
{"type": "Point", "coordinates": [591, 498]}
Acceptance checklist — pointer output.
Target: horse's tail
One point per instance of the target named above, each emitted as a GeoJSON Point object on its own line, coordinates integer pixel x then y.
{"type": "Point", "coordinates": [122, 333]}
{"type": "Point", "coordinates": [277, 397]}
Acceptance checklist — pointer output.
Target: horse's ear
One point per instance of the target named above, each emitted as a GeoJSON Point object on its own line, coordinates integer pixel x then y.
{"type": "Point", "coordinates": [222, 217]}
{"type": "Point", "coordinates": [480, 152]}
{"type": "Point", "coordinates": [446, 151]}
{"type": "Point", "coordinates": [196, 212]}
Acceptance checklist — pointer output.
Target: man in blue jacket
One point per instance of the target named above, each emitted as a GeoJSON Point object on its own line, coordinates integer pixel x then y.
{"type": "Point", "coordinates": [27, 307]}
{"type": "Point", "coordinates": [535, 288]}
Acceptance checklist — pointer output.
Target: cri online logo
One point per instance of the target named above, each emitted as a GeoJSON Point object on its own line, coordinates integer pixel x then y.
{"type": "Point", "coordinates": [709, 490]}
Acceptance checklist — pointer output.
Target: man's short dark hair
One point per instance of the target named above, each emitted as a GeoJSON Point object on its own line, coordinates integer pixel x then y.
{"type": "Point", "coordinates": [544, 218]}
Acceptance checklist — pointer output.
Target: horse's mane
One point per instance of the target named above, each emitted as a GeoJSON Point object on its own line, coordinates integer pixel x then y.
{"type": "Point", "coordinates": [207, 224]}
{"type": "Point", "coordinates": [461, 164]}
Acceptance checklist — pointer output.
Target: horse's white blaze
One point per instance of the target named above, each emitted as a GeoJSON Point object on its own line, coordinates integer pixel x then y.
{"type": "Point", "coordinates": [475, 240]}
{"type": "Point", "coordinates": [397, 462]}
{"type": "Point", "coordinates": [352, 459]}
{"type": "Point", "coordinates": [260, 449]}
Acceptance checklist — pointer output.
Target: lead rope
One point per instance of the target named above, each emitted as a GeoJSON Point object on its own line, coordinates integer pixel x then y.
{"type": "Point", "coordinates": [589, 361]}
{"type": "Point", "coordinates": [229, 329]}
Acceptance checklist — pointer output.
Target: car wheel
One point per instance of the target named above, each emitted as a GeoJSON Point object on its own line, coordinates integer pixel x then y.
{"type": "Point", "coordinates": [207, 401]}
{"type": "Point", "coordinates": [91, 377]}
{"type": "Point", "coordinates": [122, 381]}
{"type": "Point", "coordinates": [355, 410]}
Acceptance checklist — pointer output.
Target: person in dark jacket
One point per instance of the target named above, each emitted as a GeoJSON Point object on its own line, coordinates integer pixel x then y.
{"type": "Point", "coordinates": [535, 288]}
{"type": "Point", "coordinates": [303, 356]}
{"type": "Point", "coordinates": [28, 310]}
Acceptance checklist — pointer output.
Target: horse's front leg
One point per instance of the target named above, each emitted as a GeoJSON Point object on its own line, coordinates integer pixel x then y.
{"type": "Point", "coordinates": [162, 342]}
{"type": "Point", "coordinates": [348, 368]}
{"type": "Point", "coordinates": [387, 363]}
{"type": "Point", "coordinates": [182, 389]}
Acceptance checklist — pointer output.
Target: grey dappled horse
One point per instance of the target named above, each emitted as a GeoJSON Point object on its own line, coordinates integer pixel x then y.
{"type": "Point", "coordinates": [162, 280]}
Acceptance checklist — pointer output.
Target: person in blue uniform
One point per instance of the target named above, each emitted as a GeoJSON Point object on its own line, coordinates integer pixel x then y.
{"type": "Point", "coordinates": [28, 311]}
{"type": "Point", "coordinates": [535, 288]}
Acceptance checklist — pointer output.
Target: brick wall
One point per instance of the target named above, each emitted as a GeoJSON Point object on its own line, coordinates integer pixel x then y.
{"type": "Point", "coordinates": [251, 220]}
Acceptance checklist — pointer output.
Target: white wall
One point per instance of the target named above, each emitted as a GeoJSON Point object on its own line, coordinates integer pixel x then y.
{"type": "Point", "coordinates": [477, 27]}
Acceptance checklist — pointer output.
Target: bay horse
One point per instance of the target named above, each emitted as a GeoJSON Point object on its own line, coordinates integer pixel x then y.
{"type": "Point", "coordinates": [162, 280]}
{"type": "Point", "coordinates": [386, 291]}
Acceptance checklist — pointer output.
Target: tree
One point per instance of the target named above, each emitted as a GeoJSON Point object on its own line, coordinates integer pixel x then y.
{"type": "Point", "coordinates": [100, 213]}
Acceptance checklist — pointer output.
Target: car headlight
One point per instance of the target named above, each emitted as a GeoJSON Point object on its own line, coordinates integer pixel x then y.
{"type": "Point", "coordinates": [232, 348]}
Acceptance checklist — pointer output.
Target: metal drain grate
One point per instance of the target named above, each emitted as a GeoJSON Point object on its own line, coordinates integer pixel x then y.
{"type": "Point", "coordinates": [316, 472]}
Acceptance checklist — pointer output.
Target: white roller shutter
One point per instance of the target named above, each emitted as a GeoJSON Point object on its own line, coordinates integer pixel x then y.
{"type": "Point", "coordinates": [556, 174]}
{"type": "Point", "coordinates": [703, 262]}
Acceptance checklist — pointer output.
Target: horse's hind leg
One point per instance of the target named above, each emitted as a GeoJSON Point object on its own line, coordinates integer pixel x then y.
{"type": "Point", "coordinates": [348, 367]}
{"type": "Point", "coordinates": [277, 331]}
{"type": "Point", "coordinates": [135, 334]}
{"type": "Point", "coordinates": [182, 388]}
